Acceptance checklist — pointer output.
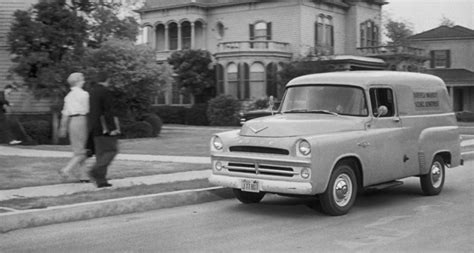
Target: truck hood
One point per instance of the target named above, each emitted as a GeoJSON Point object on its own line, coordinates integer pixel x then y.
{"type": "Point", "coordinates": [304, 124]}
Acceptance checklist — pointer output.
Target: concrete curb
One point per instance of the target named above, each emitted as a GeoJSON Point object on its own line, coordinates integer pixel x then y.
{"type": "Point", "coordinates": [31, 218]}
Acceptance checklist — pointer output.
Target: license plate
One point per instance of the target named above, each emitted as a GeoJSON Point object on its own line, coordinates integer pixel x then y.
{"type": "Point", "coordinates": [250, 185]}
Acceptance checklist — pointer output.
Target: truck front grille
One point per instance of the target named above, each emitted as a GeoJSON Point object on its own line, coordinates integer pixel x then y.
{"type": "Point", "coordinates": [262, 169]}
{"type": "Point", "coordinates": [256, 149]}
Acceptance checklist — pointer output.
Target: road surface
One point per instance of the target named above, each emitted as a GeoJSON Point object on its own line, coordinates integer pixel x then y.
{"type": "Point", "coordinates": [394, 220]}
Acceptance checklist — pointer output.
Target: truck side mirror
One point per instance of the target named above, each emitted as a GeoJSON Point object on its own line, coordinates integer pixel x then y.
{"type": "Point", "coordinates": [382, 111]}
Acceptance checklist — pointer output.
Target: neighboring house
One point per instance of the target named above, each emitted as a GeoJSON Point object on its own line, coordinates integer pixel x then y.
{"type": "Point", "coordinates": [22, 100]}
{"type": "Point", "coordinates": [250, 39]}
{"type": "Point", "coordinates": [451, 51]}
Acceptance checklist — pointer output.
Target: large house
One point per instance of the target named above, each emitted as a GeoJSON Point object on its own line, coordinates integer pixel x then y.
{"type": "Point", "coordinates": [250, 39]}
{"type": "Point", "coordinates": [451, 51]}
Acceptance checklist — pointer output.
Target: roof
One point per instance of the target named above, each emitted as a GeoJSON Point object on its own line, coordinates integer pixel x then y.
{"type": "Point", "coordinates": [365, 78]}
{"type": "Point", "coordinates": [453, 75]}
{"type": "Point", "coordinates": [445, 32]}
{"type": "Point", "coordinates": [151, 5]}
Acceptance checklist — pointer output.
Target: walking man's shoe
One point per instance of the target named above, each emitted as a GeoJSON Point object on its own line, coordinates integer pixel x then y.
{"type": "Point", "coordinates": [103, 185]}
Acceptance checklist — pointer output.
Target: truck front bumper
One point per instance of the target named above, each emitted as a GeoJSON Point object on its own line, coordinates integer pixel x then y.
{"type": "Point", "coordinates": [265, 185]}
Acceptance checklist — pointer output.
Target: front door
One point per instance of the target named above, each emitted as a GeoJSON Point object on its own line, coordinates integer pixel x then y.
{"type": "Point", "coordinates": [384, 138]}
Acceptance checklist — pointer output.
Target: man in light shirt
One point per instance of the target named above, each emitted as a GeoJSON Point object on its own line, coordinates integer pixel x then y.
{"type": "Point", "coordinates": [74, 122]}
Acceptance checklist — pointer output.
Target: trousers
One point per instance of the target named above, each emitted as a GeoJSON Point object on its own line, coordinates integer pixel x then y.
{"type": "Point", "coordinates": [78, 134]}
{"type": "Point", "coordinates": [106, 148]}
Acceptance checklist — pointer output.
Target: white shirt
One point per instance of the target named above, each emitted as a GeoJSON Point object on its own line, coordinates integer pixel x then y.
{"type": "Point", "coordinates": [76, 102]}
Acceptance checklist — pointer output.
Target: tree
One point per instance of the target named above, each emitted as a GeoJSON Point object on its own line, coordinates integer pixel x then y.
{"type": "Point", "coordinates": [447, 22]}
{"type": "Point", "coordinates": [135, 75]}
{"type": "Point", "coordinates": [192, 70]}
{"type": "Point", "coordinates": [46, 42]}
{"type": "Point", "coordinates": [397, 32]}
{"type": "Point", "coordinates": [49, 40]}
{"type": "Point", "coordinates": [299, 68]}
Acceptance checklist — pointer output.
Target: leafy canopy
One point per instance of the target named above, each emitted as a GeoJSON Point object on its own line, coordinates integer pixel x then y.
{"type": "Point", "coordinates": [192, 69]}
{"type": "Point", "coordinates": [48, 41]}
{"type": "Point", "coordinates": [397, 32]}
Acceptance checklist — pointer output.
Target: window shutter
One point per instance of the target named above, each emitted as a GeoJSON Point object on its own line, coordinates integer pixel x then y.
{"type": "Point", "coordinates": [269, 31]}
{"type": "Point", "coordinates": [331, 33]}
{"type": "Point", "coordinates": [448, 59]}
{"type": "Point", "coordinates": [246, 80]}
{"type": "Point", "coordinates": [315, 34]}
{"type": "Point", "coordinates": [432, 61]}
{"type": "Point", "coordinates": [252, 31]}
{"type": "Point", "coordinates": [239, 80]}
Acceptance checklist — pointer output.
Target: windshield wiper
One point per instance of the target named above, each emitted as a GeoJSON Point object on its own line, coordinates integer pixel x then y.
{"type": "Point", "coordinates": [311, 111]}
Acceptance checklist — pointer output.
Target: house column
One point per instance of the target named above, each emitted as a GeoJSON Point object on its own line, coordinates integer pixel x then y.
{"type": "Point", "coordinates": [451, 96]}
{"type": "Point", "coordinates": [193, 38]}
{"type": "Point", "coordinates": [179, 36]}
{"type": "Point", "coordinates": [152, 37]}
{"type": "Point", "coordinates": [204, 34]}
{"type": "Point", "coordinates": [167, 47]}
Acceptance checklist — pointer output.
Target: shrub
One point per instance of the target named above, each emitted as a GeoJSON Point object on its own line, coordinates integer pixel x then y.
{"type": "Point", "coordinates": [39, 130]}
{"type": "Point", "coordinates": [155, 123]}
{"type": "Point", "coordinates": [137, 129]}
{"type": "Point", "coordinates": [171, 114]}
{"type": "Point", "coordinates": [223, 111]}
{"type": "Point", "coordinates": [260, 104]}
{"type": "Point", "coordinates": [196, 115]}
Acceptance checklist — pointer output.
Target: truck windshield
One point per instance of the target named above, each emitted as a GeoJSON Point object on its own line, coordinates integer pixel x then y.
{"type": "Point", "coordinates": [327, 99]}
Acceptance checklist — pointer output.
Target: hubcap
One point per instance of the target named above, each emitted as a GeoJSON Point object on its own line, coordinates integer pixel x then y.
{"type": "Point", "coordinates": [436, 174]}
{"type": "Point", "coordinates": [342, 190]}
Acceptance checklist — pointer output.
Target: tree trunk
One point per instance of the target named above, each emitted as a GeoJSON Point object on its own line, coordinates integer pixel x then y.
{"type": "Point", "coordinates": [55, 124]}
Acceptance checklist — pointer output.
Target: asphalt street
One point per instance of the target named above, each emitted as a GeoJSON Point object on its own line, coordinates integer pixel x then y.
{"type": "Point", "coordinates": [393, 220]}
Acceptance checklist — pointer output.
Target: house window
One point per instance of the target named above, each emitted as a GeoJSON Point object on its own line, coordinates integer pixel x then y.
{"type": "Point", "coordinates": [186, 35]}
{"type": "Point", "coordinates": [173, 36]}
{"type": "Point", "coordinates": [220, 30]}
{"type": "Point", "coordinates": [233, 80]}
{"type": "Point", "coordinates": [382, 96]}
{"type": "Point", "coordinates": [257, 81]}
{"type": "Point", "coordinates": [369, 34]}
{"type": "Point", "coordinates": [440, 59]}
{"type": "Point", "coordinates": [260, 31]}
{"type": "Point", "coordinates": [324, 33]}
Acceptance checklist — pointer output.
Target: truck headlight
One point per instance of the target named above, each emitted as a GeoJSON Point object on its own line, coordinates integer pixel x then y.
{"type": "Point", "coordinates": [217, 143]}
{"type": "Point", "coordinates": [304, 147]}
{"type": "Point", "coordinates": [305, 173]}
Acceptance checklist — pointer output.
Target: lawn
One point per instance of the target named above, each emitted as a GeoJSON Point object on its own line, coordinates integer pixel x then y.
{"type": "Point", "coordinates": [178, 141]}
{"type": "Point", "coordinates": [16, 172]}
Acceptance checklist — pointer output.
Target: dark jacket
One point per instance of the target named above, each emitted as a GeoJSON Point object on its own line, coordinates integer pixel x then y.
{"type": "Point", "coordinates": [101, 102]}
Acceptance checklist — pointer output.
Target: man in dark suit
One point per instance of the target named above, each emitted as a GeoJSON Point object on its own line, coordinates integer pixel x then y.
{"type": "Point", "coordinates": [104, 129]}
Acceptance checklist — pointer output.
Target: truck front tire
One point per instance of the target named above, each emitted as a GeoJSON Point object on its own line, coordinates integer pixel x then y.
{"type": "Point", "coordinates": [248, 197]}
{"type": "Point", "coordinates": [432, 183]}
{"type": "Point", "coordinates": [341, 192]}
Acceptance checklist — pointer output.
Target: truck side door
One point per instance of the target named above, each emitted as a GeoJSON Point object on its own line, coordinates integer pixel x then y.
{"type": "Point", "coordinates": [384, 140]}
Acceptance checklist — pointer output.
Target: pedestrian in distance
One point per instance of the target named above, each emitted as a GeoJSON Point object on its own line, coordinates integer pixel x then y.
{"type": "Point", "coordinates": [11, 129]}
{"type": "Point", "coordinates": [74, 123]}
{"type": "Point", "coordinates": [104, 129]}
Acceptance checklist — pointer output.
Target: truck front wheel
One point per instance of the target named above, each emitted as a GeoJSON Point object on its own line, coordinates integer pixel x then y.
{"type": "Point", "coordinates": [432, 183]}
{"type": "Point", "coordinates": [248, 197]}
{"type": "Point", "coordinates": [341, 192]}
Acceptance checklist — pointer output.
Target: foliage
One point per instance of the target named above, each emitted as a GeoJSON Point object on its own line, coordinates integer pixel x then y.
{"type": "Point", "coordinates": [46, 42]}
{"type": "Point", "coordinates": [49, 40]}
{"type": "Point", "coordinates": [196, 115]}
{"type": "Point", "coordinates": [398, 31]}
{"type": "Point", "coordinates": [223, 111]}
{"type": "Point", "coordinates": [299, 68]}
{"type": "Point", "coordinates": [38, 130]}
{"type": "Point", "coordinates": [192, 69]}
{"type": "Point", "coordinates": [155, 122]}
{"type": "Point", "coordinates": [447, 22]}
{"type": "Point", "coordinates": [134, 73]}
{"type": "Point", "coordinates": [137, 129]}
{"type": "Point", "coordinates": [171, 114]}
{"type": "Point", "coordinates": [260, 103]}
